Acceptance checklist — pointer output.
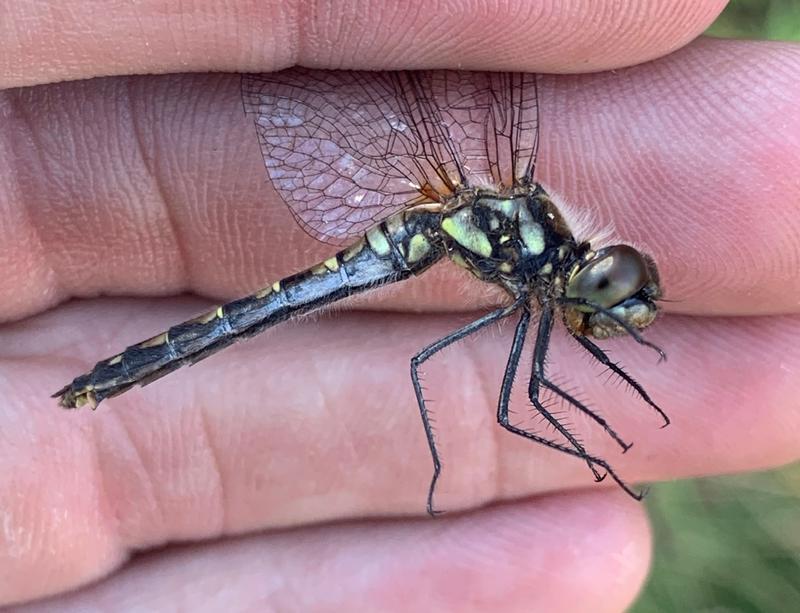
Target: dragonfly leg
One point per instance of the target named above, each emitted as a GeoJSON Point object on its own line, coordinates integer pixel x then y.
{"type": "Point", "coordinates": [538, 376]}
{"type": "Point", "coordinates": [505, 397]}
{"type": "Point", "coordinates": [426, 354]}
{"type": "Point", "coordinates": [603, 358]}
{"type": "Point", "coordinates": [534, 389]}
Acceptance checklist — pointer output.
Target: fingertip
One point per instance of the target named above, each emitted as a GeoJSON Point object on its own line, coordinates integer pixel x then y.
{"type": "Point", "coordinates": [571, 552]}
{"type": "Point", "coordinates": [526, 35]}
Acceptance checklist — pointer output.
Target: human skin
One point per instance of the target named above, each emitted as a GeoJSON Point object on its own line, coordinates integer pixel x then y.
{"type": "Point", "coordinates": [294, 465]}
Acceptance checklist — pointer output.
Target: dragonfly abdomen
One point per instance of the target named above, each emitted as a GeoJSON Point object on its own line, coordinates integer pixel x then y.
{"type": "Point", "coordinates": [403, 245]}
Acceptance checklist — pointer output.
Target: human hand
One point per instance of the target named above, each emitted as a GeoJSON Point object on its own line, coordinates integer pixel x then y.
{"type": "Point", "coordinates": [143, 188]}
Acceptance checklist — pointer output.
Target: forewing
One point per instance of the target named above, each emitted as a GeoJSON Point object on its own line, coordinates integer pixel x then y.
{"type": "Point", "coordinates": [347, 149]}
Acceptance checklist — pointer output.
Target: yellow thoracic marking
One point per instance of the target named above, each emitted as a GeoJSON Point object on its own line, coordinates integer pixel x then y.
{"type": "Point", "coordinates": [395, 224]}
{"type": "Point", "coordinates": [562, 252]}
{"type": "Point", "coordinates": [276, 287]}
{"type": "Point", "coordinates": [377, 241]}
{"type": "Point", "coordinates": [571, 274]}
{"type": "Point", "coordinates": [466, 234]}
{"type": "Point", "coordinates": [504, 239]}
{"type": "Point", "coordinates": [155, 341]}
{"type": "Point", "coordinates": [115, 360]}
{"type": "Point", "coordinates": [353, 250]}
{"type": "Point", "coordinates": [220, 312]}
{"type": "Point", "coordinates": [505, 267]}
{"type": "Point", "coordinates": [458, 260]}
{"type": "Point", "coordinates": [531, 232]}
{"type": "Point", "coordinates": [546, 269]}
{"type": "Point", "coordinates": [418, 246]}
{"type": "Point", "coordinates": [533, 237]}
{"type": "Point", "coordinates": [507, 207]}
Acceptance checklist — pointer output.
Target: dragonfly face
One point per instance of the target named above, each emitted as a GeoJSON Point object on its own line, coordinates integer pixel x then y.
{"type": "Point", "coordinates": [618, 279]}
{"type": "Point", "coordinates": [405, 169]}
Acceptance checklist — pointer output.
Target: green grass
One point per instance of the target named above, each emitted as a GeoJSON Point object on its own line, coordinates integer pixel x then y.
{"type": "Point", "coordinates": [759, 19]}
{"type": "Point", "coordinates": [725, 544]}
{"type": "Point", "coordinates": [730, 544]}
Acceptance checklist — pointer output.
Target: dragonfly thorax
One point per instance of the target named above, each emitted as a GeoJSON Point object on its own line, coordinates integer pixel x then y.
{"type": "Point", "coordinates": [514, 240]}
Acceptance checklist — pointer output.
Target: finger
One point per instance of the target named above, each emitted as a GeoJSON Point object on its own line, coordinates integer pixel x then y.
{"type": "Point", "coordinates": [275, 434]}
{"type": "Point", "coordinates": [566, 553]}
{"type": "Point", "coordinates": [79, 39]}
{"type": "Point", "coordinates": [154, 186]}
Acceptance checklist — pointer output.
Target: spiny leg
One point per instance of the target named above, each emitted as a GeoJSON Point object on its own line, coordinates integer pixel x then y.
{"type": "Point", "coordinates": [603, 358]}
{"type": "Point", "coordinates": [538, 375]}
{"type": "Point", "coordinates": [505, 397]}
{"type": "Point", "coordinates": [539, 360]}
{"type": "Point", "coordinates": [426, 354]}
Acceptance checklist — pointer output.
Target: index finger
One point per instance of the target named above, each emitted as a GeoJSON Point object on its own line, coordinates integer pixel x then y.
{"type": "Point", "coordinates": [59, 40]}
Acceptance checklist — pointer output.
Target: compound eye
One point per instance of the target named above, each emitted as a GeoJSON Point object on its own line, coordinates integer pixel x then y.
{"type": "Point", "coordinates": [615, 275]}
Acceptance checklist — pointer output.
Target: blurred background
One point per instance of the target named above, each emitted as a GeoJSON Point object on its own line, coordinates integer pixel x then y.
{"type": "Point", "coordinates": [730, 543]}
{"type": "Point", "coordinates": [759, 19]}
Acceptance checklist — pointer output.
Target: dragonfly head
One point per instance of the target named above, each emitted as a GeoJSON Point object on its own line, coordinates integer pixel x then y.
{"type": "Point", "coordinates": [612, 285]}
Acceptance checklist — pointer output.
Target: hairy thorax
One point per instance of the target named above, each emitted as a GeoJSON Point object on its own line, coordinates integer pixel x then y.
{"type": "Point", "coordinates": [518, 240]}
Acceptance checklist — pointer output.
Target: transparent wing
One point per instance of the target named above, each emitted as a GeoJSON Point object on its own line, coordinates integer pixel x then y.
{"type": "Point", "coordinates": [347, 149]}
{"type": "Point", "coordinates": [512, 139]}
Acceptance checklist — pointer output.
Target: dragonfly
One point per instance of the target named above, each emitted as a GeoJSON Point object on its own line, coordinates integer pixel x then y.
{"type": "Point", "coordinates": [402, 170]}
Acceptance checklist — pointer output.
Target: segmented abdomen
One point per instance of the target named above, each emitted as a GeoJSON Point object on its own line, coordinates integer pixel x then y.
{"type": "Point", "coordinates": [402, 245]}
